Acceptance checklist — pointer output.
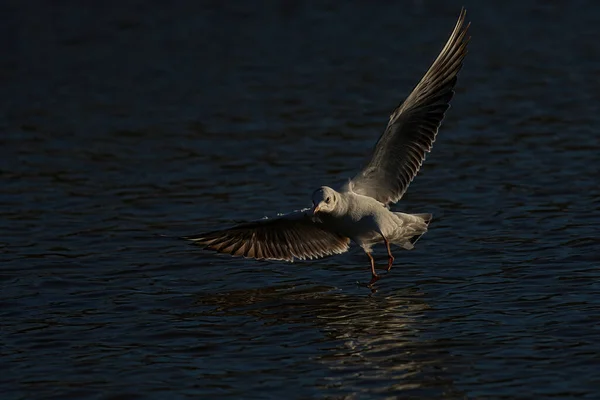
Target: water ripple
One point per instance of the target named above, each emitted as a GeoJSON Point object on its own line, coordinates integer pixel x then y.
{"type": "Point", "coordinates": [125, 123]}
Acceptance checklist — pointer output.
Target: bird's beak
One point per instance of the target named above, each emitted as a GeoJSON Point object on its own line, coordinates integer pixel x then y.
{"type": "Point", "coordinates": [316, 209]}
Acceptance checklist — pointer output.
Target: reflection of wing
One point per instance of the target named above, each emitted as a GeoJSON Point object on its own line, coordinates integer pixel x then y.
{"type": "Point", "coordinates": [413, 126]}
{"type": "Point", "coordinates": [295, 235]}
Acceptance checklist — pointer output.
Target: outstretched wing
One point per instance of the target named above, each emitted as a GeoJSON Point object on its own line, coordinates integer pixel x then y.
{"type": "Point", "coordinates": [295, 235]}
{"type": "Point", "coordinates": [413, 126]}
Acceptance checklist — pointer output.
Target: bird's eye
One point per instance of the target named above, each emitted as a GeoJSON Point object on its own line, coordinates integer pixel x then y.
{"type": "Point", "coordinates": [328, 200]}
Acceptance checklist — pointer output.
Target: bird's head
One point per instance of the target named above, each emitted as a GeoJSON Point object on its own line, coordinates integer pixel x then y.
{"type": "Point", "coordinates": [324, 200]}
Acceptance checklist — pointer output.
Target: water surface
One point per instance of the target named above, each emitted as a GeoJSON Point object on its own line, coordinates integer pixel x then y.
{"type": "Point", "coordinates": [124, 121]}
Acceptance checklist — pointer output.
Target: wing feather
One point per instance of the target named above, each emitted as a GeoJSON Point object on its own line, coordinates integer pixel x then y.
{"type": "Point", "coordinates": [293, 236]}
{"type": "Point", "coordinates": [413, 126]}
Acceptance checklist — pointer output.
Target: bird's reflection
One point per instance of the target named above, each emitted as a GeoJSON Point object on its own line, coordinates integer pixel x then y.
{"type": "Point", "coordinates": [370, 343]}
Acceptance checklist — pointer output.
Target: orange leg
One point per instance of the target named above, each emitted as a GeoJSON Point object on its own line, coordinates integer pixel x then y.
{"type": "Point", "coordinates": [390, 256]}
{"type": "Point", "coordinates": [374, 276]}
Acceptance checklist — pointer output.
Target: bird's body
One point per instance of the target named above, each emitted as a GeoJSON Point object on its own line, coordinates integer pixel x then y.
{"type": "Point", "coordinates": [366, 222]}
{"type": "Point", "coordinates": [359, 211]}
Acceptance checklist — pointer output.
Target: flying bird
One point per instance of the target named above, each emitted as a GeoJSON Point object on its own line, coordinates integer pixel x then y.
{"type": "Point", "coordinates": [359, 211]}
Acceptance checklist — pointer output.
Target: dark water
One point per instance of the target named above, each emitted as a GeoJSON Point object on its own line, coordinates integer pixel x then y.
{"type": "Point", "coordinates": [131, 119]}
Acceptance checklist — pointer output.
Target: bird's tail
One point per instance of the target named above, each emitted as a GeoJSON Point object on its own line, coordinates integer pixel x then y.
{"type": "Point", "coordinates": [414, 226]}
{"type": "Point", "coordinates": [425, 217]}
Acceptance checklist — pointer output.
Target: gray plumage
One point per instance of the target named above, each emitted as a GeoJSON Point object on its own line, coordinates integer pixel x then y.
{"type": "Point", "coordinates": [359, 211]}
{"type": "Point", "coordinates": [297, 235]}
{"type": "Point", "coordinates": [413, 126]}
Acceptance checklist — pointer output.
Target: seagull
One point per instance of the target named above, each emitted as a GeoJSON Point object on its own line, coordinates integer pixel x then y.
{"type": "Point", "coordinates": [359, 211]}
